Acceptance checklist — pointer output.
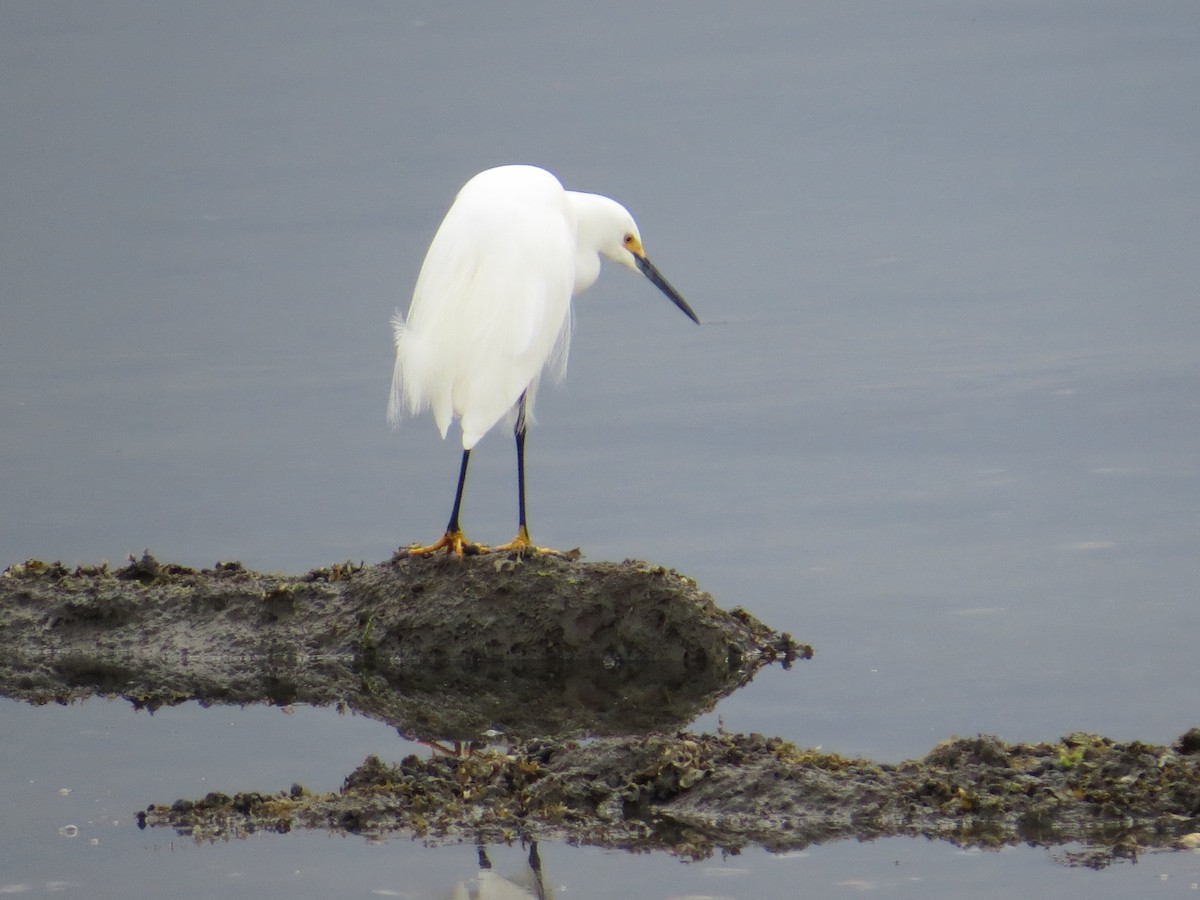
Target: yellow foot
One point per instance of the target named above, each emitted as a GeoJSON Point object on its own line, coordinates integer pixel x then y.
{"type": "Point", "coordinates": [452, 542]}
{"type": "Point", "coordinates": [521, 545]}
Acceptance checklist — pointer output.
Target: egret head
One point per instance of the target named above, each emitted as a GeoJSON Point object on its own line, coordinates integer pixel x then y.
{"type": "Point", "coordinates": [605, 226]}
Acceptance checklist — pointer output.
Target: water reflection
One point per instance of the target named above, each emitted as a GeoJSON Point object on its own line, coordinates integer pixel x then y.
{"type": "Point", "coordinates": [496, 699]}
{"type": "Point", "coordinates": [528, 884]}
{"type": "Point", "coordinates": [464, 702]}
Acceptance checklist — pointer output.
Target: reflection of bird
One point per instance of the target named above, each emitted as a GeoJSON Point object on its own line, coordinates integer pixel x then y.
{"type": "Point", "coordinates": [529, 884]}
{"type": "Point", "coordinates": [492, 309]}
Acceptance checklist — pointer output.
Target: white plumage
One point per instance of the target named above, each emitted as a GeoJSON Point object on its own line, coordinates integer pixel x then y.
{"type": "Point", "coordinates": [492, 305]}
{"type": "Point", "coordinates": [491, 310]}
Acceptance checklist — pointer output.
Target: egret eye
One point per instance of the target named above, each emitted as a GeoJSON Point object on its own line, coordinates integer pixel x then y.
{"type": "Point", "coordinates": [629, 240]}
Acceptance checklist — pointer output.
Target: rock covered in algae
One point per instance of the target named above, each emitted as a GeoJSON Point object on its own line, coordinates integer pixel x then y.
{"type": "Point", "coordinates": [480, 607]}
{"type": "Point", "coordinates": [696, 794]}
{"type": "Point", "coordinates": [441, 648]}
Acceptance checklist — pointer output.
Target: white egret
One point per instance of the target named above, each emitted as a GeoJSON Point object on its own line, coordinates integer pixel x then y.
{"type": "Point", "coordinates": [491, 310]}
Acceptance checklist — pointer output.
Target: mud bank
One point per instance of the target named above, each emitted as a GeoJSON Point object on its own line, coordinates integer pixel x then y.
{"type": "Point", "coordinates": [441, 648]}
{"type": "Point", "coordinates": [519, 659]}
{"type": "Point", "coordinates": [694, 795]}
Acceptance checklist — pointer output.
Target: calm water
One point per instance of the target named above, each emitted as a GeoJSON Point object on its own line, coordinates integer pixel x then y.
{"type": "Point", "coordinates": [941, 421]}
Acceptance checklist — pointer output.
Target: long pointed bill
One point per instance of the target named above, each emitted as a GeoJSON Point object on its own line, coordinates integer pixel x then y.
{"type": "Point", "coordinates": [656, 279]}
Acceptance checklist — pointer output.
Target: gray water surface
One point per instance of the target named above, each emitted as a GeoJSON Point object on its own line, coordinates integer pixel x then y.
{"type": "Point", "coordinates": [941, 420]}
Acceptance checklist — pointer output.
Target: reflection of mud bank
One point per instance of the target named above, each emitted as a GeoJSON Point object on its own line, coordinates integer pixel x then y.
{"type": "Point", "coordinates": [442, 649]}
{"type": "Point", "coordinates": [694, 794]}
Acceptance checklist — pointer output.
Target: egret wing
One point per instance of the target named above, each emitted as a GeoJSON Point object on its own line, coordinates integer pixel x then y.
{"type": "Point", "coordinates": [489, 311]}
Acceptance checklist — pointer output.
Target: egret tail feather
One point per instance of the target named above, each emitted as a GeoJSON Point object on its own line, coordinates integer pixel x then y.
{"type": "Point", "coordinates": [395, 411]}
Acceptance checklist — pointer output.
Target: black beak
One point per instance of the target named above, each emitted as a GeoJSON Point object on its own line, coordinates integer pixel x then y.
{"type": "Point", "coordinates": [663, 285]}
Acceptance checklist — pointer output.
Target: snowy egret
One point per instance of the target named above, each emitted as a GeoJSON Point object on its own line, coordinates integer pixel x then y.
{"type": "Point", "coordinates": [491, 310]}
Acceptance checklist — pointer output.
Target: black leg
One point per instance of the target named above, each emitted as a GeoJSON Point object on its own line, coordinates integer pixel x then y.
{"type": "Point", "coordinates": [521, 543]}
{"type": "Point", "coordinates": [519, 431]}
{"type": "Point", "coordinates": [453, 528]}
{"type": "Point", "coordinates": [452, 541]}
{"type": "Point", "coordinates": [535, 866]}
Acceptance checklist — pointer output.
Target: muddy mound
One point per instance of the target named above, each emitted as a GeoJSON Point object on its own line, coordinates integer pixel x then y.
{"type": "Point", "coordinates": [440, 648]}
{"type": "Point", "coordinates": [694, 795]}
